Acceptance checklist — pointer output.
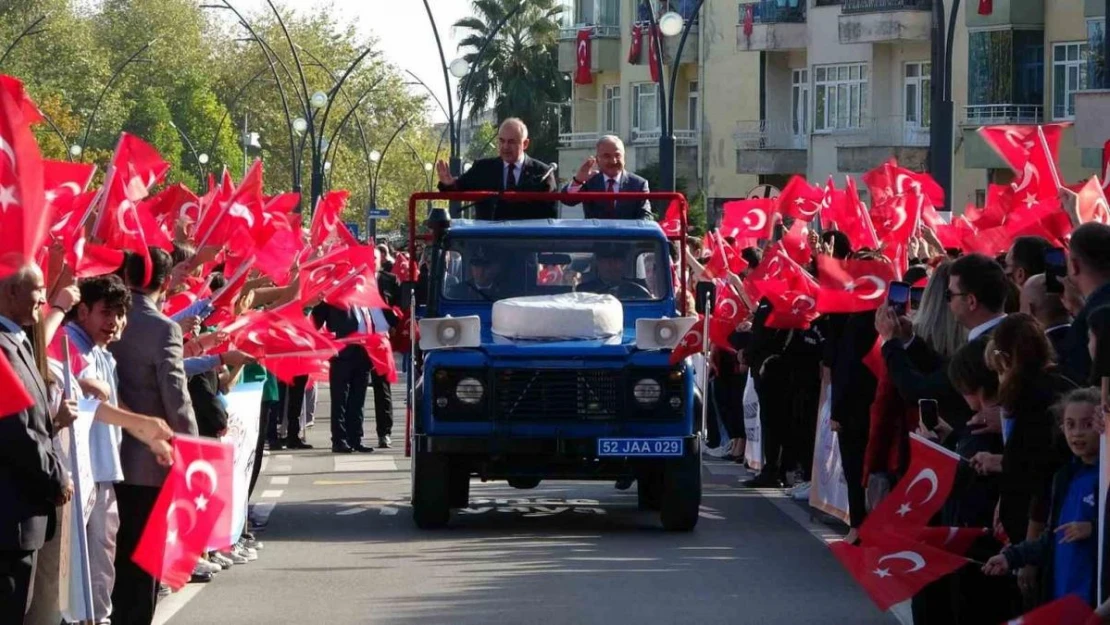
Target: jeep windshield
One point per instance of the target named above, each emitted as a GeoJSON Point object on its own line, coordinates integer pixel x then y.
{"type": "Point", "coordinates": [480, 269]}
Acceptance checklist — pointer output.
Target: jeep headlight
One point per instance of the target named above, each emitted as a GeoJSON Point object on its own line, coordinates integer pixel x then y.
{"type": "Point", "coordinates": [469, 391]}
{"type": "Point", "coordinates": [647, 391]}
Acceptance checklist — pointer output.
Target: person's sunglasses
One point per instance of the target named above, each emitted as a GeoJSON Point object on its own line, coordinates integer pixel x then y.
{"type": "Point", "coordinates": [949, 295]}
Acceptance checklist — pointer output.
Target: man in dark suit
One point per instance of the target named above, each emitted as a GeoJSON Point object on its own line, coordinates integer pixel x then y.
{"type": "Point", "coordinates": [351, 371]}
{"type": "Point", "coordinates": [512, 170]}
{"type": "Point", "coordinates": [1048, 309]}
{"type": "Point", "coordinates": [150, 364]}
{"type": "Point", "coordinates": [1088, 282]}
{"type": "Point", "coordinates": [32, 479]}
{"type": "Point", "coordinates": [610, 266]}
{"type": "Point", "coordinates": [605, 173]}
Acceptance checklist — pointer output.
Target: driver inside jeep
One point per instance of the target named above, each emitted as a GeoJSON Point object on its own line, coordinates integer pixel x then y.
{"type": "Point", "coordinates": [609, 267]}
{"type": "Point", "coordinates": [483, 282]}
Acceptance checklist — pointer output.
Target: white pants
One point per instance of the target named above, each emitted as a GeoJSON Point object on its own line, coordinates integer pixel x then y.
{"type": "Point", "coordinates": [103, 525]}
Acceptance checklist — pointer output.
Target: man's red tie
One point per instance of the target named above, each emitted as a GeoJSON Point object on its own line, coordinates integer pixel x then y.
{"type": "Point", "coordinates": [612, 205]}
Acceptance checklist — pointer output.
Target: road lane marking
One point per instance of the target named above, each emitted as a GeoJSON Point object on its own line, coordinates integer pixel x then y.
{"type": "Point", "coordinates": [279, 480]}
{"type": "Point", "coordinates": [339, 482]}
{"type": "Point", "coordinates": [272, 494]}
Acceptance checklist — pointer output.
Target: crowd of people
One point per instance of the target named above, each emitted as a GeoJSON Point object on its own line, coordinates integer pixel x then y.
{"type": "Point", "coordinates": [1012, 354]}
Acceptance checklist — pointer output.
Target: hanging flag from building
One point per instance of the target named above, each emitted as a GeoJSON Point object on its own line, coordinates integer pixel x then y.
{"type": "Point", "coordinates": [986, 7]}
{"type": "Point", "coordinates": [654, 54]}
{"type": "Point", "coordinates": [583, 76]}
{"type": "Point", "coordinates": [749, 20]}
{"type": "Point", "coordinates": [635, 51]}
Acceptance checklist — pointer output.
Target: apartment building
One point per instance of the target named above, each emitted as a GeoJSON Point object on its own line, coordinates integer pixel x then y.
{"type": "Point", "coordinates": [713, 85]}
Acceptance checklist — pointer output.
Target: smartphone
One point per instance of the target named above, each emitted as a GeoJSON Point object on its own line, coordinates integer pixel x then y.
{"type": "Point", "coordinates": [916, 293]}
{"type": "Point", "coordinates": [898, 297]}
{"type": "Point", "coordinates": [929, 412]}
{"type": "Point", "coordinates": [1056, 267]}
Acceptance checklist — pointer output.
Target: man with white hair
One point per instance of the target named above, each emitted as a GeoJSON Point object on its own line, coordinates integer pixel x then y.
{"type": "Point", "coordinates": [605, 173]}
{"type": "Point", "coordinates": [512, 170]}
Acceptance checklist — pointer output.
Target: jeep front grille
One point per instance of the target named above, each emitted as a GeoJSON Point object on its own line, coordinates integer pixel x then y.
{"type": "Point", "coordinates": [564, 394]}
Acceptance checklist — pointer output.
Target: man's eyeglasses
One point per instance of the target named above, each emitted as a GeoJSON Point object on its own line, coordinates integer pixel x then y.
{"type": "Point", "coordinates": [950, 295]}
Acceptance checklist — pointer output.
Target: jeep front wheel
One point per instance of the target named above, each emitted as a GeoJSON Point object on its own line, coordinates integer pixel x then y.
{"type": "Point", "coordinates": [431, 507]}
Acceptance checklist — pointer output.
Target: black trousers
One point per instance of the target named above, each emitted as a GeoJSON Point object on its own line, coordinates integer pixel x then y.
{"type": "Point", "coordinates": [17, 571]}
{"type": "Point", "coordinates": [135, 593]}
{"type": "Point", "coordinates": [290, 403]}
{"type": "Point", "coordinates": [775, 414]}
{"type": "Point", "coordinates": [852, 440]}
{"type": "Point", "coordinates": [349, 378]}
{"type": "Point", "coordinates": [383, 404]}
{"type": "Point", "coordinates": [802, 436]}
{"type": "Point", "coordinates": [264, 417]}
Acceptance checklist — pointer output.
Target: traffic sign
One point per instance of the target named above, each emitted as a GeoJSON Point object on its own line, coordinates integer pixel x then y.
{"type": "Point", "coordinates": [378, 213]}
{"type": "Point", "coordinates": [353, 227]}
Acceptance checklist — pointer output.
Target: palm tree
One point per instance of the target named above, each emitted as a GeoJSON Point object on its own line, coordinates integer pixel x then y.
{"type": "Point", "coordinates": [519, 73]}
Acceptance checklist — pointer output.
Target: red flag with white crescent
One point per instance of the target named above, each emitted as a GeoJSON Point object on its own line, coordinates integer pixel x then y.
{"type": "Point", "coordinates": [849, 286]}
{"type": "Point", "coordinates": [1091, 203]}
{"type": "Point", "coordinates": [748, 218]}
{"type": "Point", "coordinates": [582, 74]}
{"type": "Point", "coordinates": [891, 569]}
{"type": "Point", "coordinates": [920, 494]}
{"type": "Point", "coordinates": [800, 200]}
{"type": "Point", "coordinates": [24, 220]}
{"type": "Point", "coordinates": [693, 342]}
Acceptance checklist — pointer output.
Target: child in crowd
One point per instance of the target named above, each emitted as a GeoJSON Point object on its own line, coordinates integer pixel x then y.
{"type": "Point", "coordinates": [1067, 554]}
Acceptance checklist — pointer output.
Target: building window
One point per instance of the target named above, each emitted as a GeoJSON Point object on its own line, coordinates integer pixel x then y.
{"type": "Point", "coordinates": [799, 102]}
{"type": "Point", "coordinates": [1005, 67]}
{"type": "Point", "coordinates": [693, 116]}
{"type": "Point", "coordinates": [645, 107]}
{"type": "Point", "coordinates": [841, 96]}
{"type": "Point", "coordinates": [613, 110]}
{"type": "Point", "coordinates": [917, 78]}
{"type": "Point", "coordinates": [1069, 75]}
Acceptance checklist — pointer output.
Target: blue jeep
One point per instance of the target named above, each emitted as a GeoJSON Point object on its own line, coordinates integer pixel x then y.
{"type": "Point", "coordinates": [540, 397]}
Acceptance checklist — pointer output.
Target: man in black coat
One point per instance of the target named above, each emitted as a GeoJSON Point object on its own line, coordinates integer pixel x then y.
{"type": "Point", "coordinates": [32, 479]}
{"type": "Point", "coordinates": [1048, 309]}
{"type": "Point", "coordinates": [512, 170]}
{"type": "Point", "coordinates": [1089, 275]}
{"type": "Point", "coordinates": [605, 173]}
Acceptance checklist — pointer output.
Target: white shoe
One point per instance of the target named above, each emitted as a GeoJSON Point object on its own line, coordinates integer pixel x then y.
{"type": "Point", "coordinates": [204, 566]}
{"type": "Point", "coordinates": [250, 554]}
{"type": "Point", "coordinates": [234, 556]}
{"type": "Point", "coordinates": [221, 560]}
{"type": "Point", "coordinates": [801, 492]}
{"type": "Point", "coordinates": [718, 452]}
{"type": "Point", "coordinates": [163, 590]}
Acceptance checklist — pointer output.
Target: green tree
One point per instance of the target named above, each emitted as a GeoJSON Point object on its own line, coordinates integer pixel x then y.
{"type": "Point", "coordinates": [519, 70]}
{"type": "Point", "coordinates": [696, 215]}
{"type": "Point", "coordinates": [481, 143]}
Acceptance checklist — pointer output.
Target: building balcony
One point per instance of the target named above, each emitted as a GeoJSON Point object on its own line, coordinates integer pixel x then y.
{"type": "Point", "coordinates": [1009, 13]}
{"type": "Point", "coordinates": [774, 27]}
{"type": "Point", "coordinates": [1092, 118]}
{"type": "Point", "coordinates": [682, 138]}
{"type": "Point", "coordinates": [689, 51]}
{"type": "Point", "coordinates": [994, 114]}
{"type": "Point", "coordinates": [864, 148]}
{"type": "Point", "coordinates": [605, 48]}
{"type": "Point", "coordinates": [765, 147]}
{"type": "Point", "coordinates": [884, 21]}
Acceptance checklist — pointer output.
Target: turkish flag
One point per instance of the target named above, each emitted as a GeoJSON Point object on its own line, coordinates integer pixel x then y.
{"type": "Point", "coordinates": [63, 181]}
{"type": "Point", "coordinates": [654, 40]}
{"type": "Point", "coordinates": [24, 220]}
{"type": "Point", "coordinates": [1091, 203]}
{"type": "Point", "coordinates": [276, 248]}
{"type": "Point", "coordinates": [892, 569]}
{"type": "Point", "coordinates": [672, 220]}
{"type": "Point", "coordinates": [728, 311]}
{"type": "Point", "coordinates": [15, 397]}
{"type": "Point", "coordinates": [1067, 610]}
{"type": "Point", "coordinates": [636, 49]}
{"type": "Point", "coordinates": [89, 260]}
{"type": "Point", "coordinates": [29, 112]}
{"type": "Point", "coordinates": [954, 540]}
{"type": "Point", "coordinates": [723, 258]}
{"type": "Point", "coordinates": [139, 164]}
{"type": "Point", "coordinates": [897, 221]}
{"type": "Point", "coordinates": [120, 225]}
{"type": "Point", "coordinates": [851, 217]}
{"type": "Point", "coordinates": [849, 286]}
{"type": "Point", "coordinates": [795, 242]}
{"type": "Point", "coordinates": [173, 204]}
{"type": "Point", "coordinates": [240, 214]}
{"type": "Point", "coordinates": [748, 218]}
{"type": "Point", "coordinates": [195, 289]}
{"type": "Point", "coordinates": [920, 494]}
{"type": "Point", "coordinates": [800, 200]}
{"type": "Point", "coordinates": [379, 350]}
{"type": "Point", "coordinates": [278, 332]}
{"type": "Point", "coordinates": [1039, 179]}
{"type": "Point", "coordinates": [223, 300]}
{"type": "Point", "coordinates": [693, 342]}
{"type": "Point", "coordinates": [193, 499]}
{"type": "Point", "coordinates": [749, 19]}
{"type": "Point", "coordinates": [327, 224]}
{"type": "Point", "coordinates": [345, 277]}
{"type": "Point", "coordinates": [582, 74]}
{"type": "Point", "coordinates": [282, 203]}
{"type": "Point", "coordinates": [288, 368]}
{"type": "Point", "coordinates": [986, 7]}
{"type": "Point", "coordinates": [1049, 221]}
{"type": "Point", "coordinates": [402, 267]}
{"type": "Point", "coordinates": [990, 242]}
{"type": "Point", "coordinates": [890, 180]}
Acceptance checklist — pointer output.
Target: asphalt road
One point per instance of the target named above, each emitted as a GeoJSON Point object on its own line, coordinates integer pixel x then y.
{"type": "Point", "coordinates": [340, 547]}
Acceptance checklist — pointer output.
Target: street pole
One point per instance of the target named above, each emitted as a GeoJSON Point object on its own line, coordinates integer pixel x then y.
{"type": "Point", "coordinates": [100, 98]}
{"type": "Point", "coordinates": [246, 141]}
{"type": "Point", "coordinates": [31, 30]}
{"type": "Point", "coordinates": [943, 118]}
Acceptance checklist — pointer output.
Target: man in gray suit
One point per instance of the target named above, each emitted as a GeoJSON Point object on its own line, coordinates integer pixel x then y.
{"type": "Point", "coordinates": [149, 359]}
{"type": "Point", "coordinates": [32, 479]}
{"type": "Point", "coordinates": [605, 173]}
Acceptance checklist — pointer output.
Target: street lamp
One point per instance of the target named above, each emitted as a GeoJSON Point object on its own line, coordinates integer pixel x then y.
{"type": "Point", "coordinates": [75, 150]}
{"type": "Point", "coordinates": [669, 24]}
{"type": "Point", "coordinates": [459, 68]}
{"type": "Point", "coordinates": [378, 158]}
{"type": "Point", "coordinates": [375, 156]}
{"type": "Point", "coordinates": [319, 100]}
{"type": "Point", "coordinates": [300, 126]}
{"type": "Point", "coordinates": [428, 167]}
{"type": "Point", "coordinates": [201, 159]}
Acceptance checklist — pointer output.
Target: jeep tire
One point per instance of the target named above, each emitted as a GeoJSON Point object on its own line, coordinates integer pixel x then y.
{"type": "Point", "coordinates": [681, 493]}
{"type": "Point", "coordinates": [524, 483]}
{"type": "Point", "coordinates": [431, 506]}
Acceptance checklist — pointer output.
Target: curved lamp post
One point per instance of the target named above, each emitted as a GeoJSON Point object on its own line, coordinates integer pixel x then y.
{"type": "Point", "coordinates": [378, 158]}
{"type": "Point", "coordinates": [31, 30]}
{"type": "Point", "coordinates": [76, 150]}
{"type": "Point", "coordinates": [200, 158]}
{"type": "Point", "coordinates": [669, 24]}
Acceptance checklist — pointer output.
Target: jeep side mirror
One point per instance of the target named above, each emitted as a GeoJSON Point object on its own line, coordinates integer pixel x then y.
{"type": "Point", "coordinates": [407, 290]}
{"type": "Point", "coordinates": [707, 291]}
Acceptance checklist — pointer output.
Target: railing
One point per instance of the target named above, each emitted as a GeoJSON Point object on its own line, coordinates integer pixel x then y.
{"type": "Point", "coordinates": [681, 137]}
{"type": "Point", "coordinates": [890, 131]}
{"type": "Point", "coordinates": [987, 114]}
{"type": "Point", "coordinates": [767, 135]}
{"type": "Point", "coordinates": [875, 6]}
{"type": "Point", "coordinates": [775, 11]}
{"type": "Point", "coordinates": [578, 139]}
{"type": "Point", "coordinates": [597, 31]}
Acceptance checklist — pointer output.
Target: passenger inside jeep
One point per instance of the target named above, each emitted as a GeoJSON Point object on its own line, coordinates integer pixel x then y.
{"type": "Point", "coordinates": [610, 266]}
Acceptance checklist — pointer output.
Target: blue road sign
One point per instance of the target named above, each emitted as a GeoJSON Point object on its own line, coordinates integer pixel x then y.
{"type": "Point", "coordinates": [353, 227]}
{"type": "Point", "coordinates": [377, 213]}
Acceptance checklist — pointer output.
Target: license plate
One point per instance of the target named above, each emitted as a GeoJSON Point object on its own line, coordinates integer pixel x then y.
{"type": "Point", "coordinates": [643, 447]}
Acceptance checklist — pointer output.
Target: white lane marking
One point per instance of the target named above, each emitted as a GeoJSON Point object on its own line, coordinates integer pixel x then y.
{"type": "Point", "coordinates": [351, 511]}
{"type": "Point", "coordinates": [282, 468]}
{"type": "Point", "coordinates": [279, 480]}
{"type": "Point", "coordinates": [272, 494]}
{"type": "Point", "coordinates": [388, 511]}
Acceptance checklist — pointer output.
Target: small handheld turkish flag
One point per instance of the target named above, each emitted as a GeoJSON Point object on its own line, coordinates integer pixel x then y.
{"type": "Point", "coordinates": [1067, 610]}
{"type": "Point", "coordinates": [892, 569]}
{"type": "Point", "coordinates": [693, 342]}
{"type": "Point", "coordinates": [849, 286]}
{"type": "Point", "coordinates": [921, 493]}
{"type": "Point", "coordinates": [184, 517]}
{"type": "Point", "coordinates": [957, 540]}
